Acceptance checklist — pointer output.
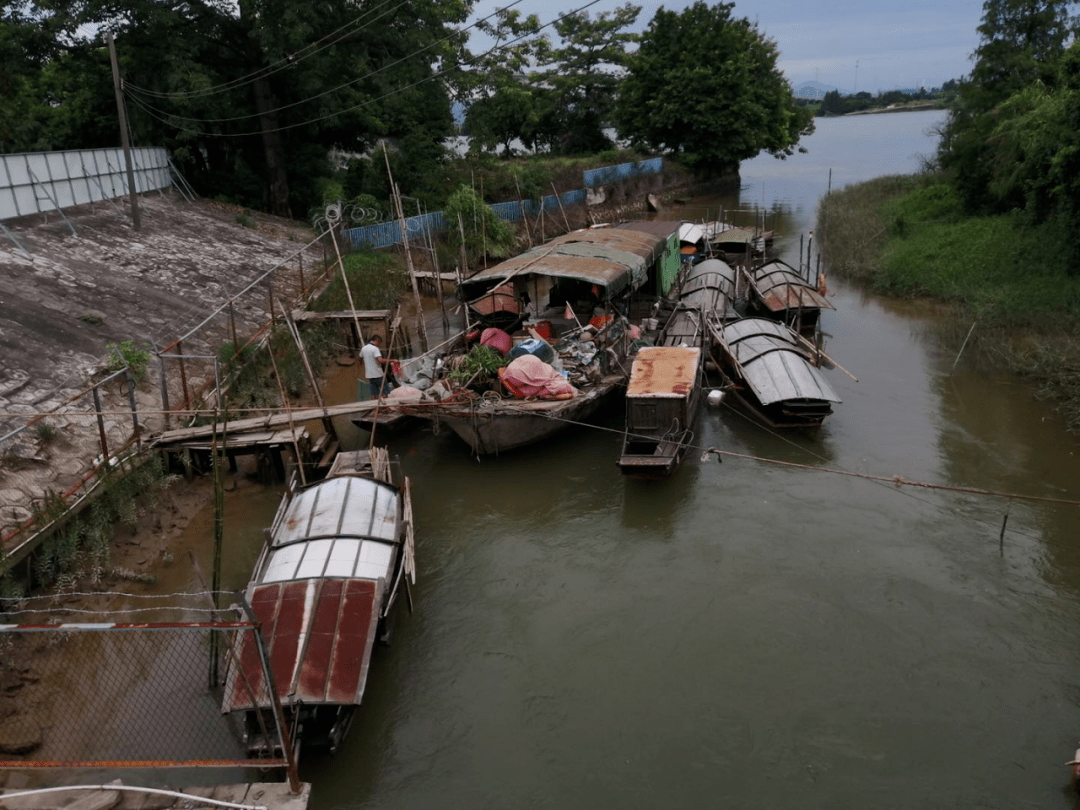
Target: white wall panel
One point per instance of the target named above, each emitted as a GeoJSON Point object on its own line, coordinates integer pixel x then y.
{"type": "Point", "coordinates": [36, 182]}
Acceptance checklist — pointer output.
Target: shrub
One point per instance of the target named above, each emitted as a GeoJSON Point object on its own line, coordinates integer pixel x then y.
{"type": "Point", "coordinates": [127, 354]}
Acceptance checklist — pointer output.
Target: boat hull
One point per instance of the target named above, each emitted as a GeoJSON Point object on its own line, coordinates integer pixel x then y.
{"type": "Point", "coordinates": [490, 430]}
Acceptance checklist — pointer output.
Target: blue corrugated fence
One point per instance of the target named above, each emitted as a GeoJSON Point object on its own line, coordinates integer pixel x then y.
{"type": "Point", "coordinates": [612, 174]}
{"type": "Point", "coordinates": [387, 234]}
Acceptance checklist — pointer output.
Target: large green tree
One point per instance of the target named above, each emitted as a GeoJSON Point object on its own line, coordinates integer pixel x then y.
{"type": "Point", "coordinates": [504, 101]}
{"type": "Point", "coordinates": [251, 95]}
{"type": "Point", "coordinates": [705, 86]}
{"type": "Point", "coordinates": [583, 74]}
{"type": "Point", "coordinates": [1021, 43]}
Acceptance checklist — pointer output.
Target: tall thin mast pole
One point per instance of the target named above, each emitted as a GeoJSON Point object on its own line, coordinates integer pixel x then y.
{"type": "Point", "coordinates": [133, 195]}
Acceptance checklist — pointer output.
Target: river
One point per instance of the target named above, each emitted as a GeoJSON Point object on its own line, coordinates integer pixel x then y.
{"type": "Point", "coordinates": [747, 635]}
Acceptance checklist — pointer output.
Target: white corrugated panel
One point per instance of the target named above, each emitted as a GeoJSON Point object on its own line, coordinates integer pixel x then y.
{"type": "Point", "coordinates": [374, 560]}
{"type": "Point", "coordinates": [283, 562]}
{"type": "Point", "coordinates": [347, 506]}
{"type": "Point", "coordinates": [314, 562]}
{"type": "Point", "coordinates": [343, 556]}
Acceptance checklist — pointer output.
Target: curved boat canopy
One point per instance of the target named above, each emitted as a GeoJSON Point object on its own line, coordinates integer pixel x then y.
{"type": "Point", "coordinates": [772, 363]}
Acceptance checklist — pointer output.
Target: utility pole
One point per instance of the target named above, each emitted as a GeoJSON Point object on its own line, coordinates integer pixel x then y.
{"type": "Point", "coordinates": [133, 195]}
{"type": "Point", "coordinates": [856, 87]}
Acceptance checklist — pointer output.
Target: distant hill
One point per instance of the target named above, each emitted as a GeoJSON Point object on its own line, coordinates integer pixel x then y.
{"type": "Point", "coordinates": [815, 90]}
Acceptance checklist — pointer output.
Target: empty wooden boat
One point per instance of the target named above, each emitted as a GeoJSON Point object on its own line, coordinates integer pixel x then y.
{"type": "Point", "coordinates": [322, 588]}
{"type": "Point", "coordinates": [662, 401]}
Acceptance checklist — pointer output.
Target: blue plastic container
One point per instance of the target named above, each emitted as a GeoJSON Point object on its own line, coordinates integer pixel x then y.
{"type": "Point", "coordinates": [537, 348]}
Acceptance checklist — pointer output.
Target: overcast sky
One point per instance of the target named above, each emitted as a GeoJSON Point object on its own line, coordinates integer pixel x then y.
{"type": "Point", "coordinates": [905, 43]}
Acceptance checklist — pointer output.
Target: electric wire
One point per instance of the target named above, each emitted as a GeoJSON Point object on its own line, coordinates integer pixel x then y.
{"type": "Point", "coordinates": [332, 89]}
{"type": "Point", "coordinates": [154, 113]}
{"type": "Point", "coordinates": [269, 70]}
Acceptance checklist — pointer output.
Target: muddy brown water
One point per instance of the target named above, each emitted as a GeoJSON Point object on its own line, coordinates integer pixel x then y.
{"type": "Point", "coordinates": [744, 635]}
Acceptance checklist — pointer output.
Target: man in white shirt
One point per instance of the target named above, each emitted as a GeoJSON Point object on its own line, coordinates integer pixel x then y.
{"type": "Point", "coordinates": [371, 355]}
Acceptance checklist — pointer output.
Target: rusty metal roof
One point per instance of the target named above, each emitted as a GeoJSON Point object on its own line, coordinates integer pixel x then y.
{"type": "Point", "coordinates": [664, 372]}
{"type": "Point", "coordinates": [319, 634]}
{"type": "Point", "coordinates": [780, 287]}
{"type": "Point", "coordinates": [501, 299]}
{"type": "Point", "coordinates": [611, 258]}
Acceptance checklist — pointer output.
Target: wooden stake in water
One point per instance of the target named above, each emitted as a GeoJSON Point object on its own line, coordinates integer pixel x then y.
{"type": "Point", "coordinates": [219, 534]}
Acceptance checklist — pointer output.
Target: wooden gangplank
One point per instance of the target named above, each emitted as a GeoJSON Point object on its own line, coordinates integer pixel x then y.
{"type": "Point", "coordinates": [266, 422]}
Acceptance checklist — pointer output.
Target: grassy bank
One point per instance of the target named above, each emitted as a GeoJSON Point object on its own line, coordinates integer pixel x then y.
{"type": "Point", "coordinates": [907, 236]}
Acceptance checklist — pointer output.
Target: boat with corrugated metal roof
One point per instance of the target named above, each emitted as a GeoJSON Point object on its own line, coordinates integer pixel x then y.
{"type": "Point", "coordinates": [664, 394]}
{"type": "Point", "coordinates": [335, 559]}
{"type": "Point", "coordinates": [772, 374]}
{"type": "Point", "coordinates": [577, 287]}
{"type": "Point", "coordinates": [780, 292]}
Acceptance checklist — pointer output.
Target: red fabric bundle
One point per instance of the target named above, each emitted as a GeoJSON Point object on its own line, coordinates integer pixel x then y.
{"type": "Point", "coordinates": [600, 321]}
{"type": "Point", "coordinates": [496, 339]}
{"type": "Point", "coordinates": [529, 376]}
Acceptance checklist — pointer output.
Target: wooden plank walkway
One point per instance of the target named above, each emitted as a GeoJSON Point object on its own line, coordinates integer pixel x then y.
{"type": "Point", "coordinates": [266, 422]}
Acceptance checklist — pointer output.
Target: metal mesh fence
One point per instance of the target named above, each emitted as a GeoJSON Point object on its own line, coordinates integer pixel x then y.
{"type": "Point", "coordinates": [145, 694]}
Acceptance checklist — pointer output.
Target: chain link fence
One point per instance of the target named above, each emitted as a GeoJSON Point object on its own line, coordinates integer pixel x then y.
{"type": "Point", "coordinates": [130, 691]}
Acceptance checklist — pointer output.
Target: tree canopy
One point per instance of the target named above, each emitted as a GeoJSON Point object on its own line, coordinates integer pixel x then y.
{"type": "Point", "coordinates": [553, 97]}
{"type": "Point", "coordinates": [704, 85]}
{"type": "Point", "coordinates": [249, 96]}
{"type": "Point", "coordinates": [1012, 141]}
{"type": "Point", "coordinates": [1021, 44]}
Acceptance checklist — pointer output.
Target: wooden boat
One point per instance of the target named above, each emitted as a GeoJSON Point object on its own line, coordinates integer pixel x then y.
{"type": "Point", "coordinates": [730, 241]}
{"type": "Point", "coordinates": [492, 426]}
{"type": "Point", "coordinates": [583, 269]}
{"type": "Point", "coordinates": [772, 375]}
{"type": "Point", "coordinates": [322, 589]}
{"type": "Point", "coordinates": [662, 402]}
{"type": "Point", "coordinates": [664, 393]}
{"type": "Point", "coordinates": [587, 271]}
{"type": "Point", "coordinates": [778, 291]}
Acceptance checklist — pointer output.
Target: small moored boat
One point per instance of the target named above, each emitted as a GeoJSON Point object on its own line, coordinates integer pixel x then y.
{"type": "Point", "coordinates": [323, 587]}
{"type": "Point", "coordinates": [780, 292]}
{"type": "Point", "coordinates": [661, 404]}
{"type": "Point", "coordinates": [772, 375]}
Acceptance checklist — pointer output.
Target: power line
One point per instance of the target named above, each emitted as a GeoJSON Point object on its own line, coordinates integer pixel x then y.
{"type": "Point", "coordinates": [332, 89]}
{"type": "Point", "coordinates": [269, 70]}
{"type": "Point", "coordinates": [434, 76]}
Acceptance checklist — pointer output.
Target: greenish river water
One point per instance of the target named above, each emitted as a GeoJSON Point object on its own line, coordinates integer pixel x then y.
{"type": "Point", "coordinates": [747, 635]}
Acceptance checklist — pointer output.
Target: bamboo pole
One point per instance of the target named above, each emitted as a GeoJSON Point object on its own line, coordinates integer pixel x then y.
{"type": "Point", "coordinates": [408, 254]}
{"type": "Point", "coordinates": [558, 199]}
{"type": "Point", "coordinates": [288, 410]}
{"type": "Point", "coordinates": [328, 423]}
{"type": "Point", "coordinates": [348, 287]}
{"type": "Point", "coordinates": [524, 215]}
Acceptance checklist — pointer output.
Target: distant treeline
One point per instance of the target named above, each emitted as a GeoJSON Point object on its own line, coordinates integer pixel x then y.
{"type": "Point", "coordinates": [836, 104]}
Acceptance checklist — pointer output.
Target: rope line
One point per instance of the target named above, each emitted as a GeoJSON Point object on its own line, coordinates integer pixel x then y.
{"type": "Point", "coordinates": [896, 480]}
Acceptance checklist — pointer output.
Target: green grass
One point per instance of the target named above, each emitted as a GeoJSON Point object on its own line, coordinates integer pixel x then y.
{"type": "Point", "coordinates": [909, 237]}
{"type": "Point", "coordinates": [375, 280]}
